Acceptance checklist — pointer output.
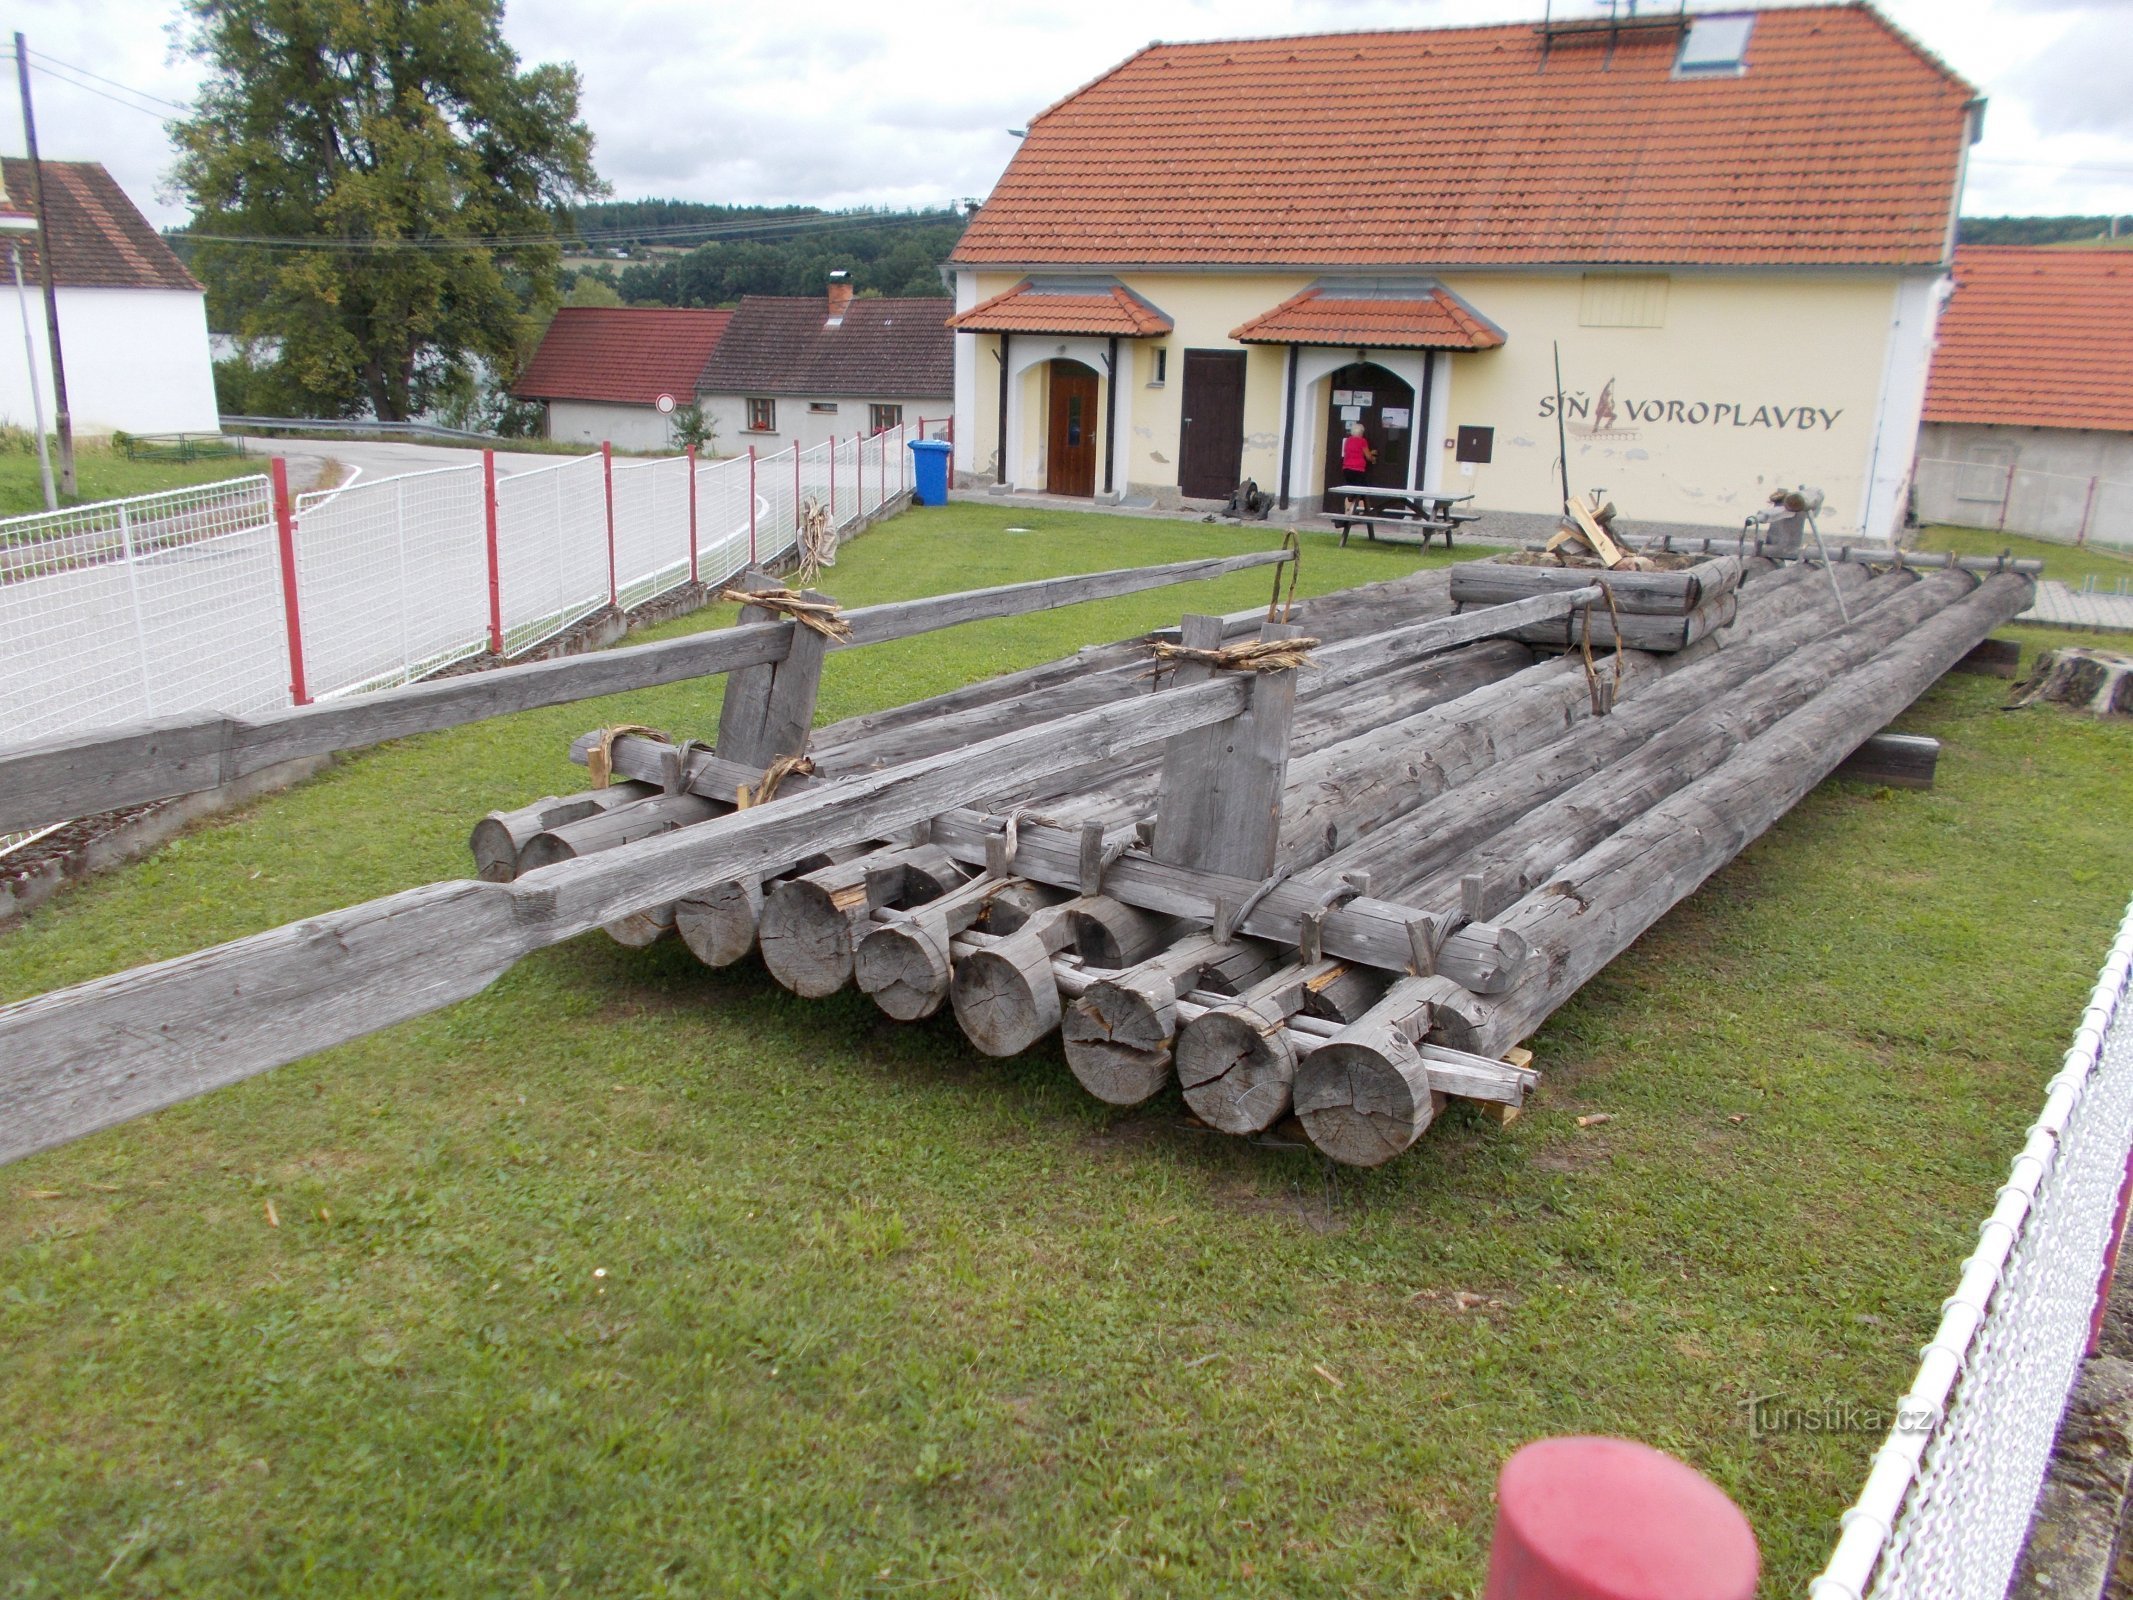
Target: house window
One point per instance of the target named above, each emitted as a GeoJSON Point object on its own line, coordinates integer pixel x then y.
{"type": "Point", "coordinates": [1715, 47]}
{"type": "Point", "coordinates": [1160, 370]}
{"type": "Point", "coordinates": [880, 419]}
{"type": "Point", "coordinates": [822, 408]}
{"type": "Point", "coordinates": [762, 416]}
{"type": "Point", "coordinates": [1623, 300]}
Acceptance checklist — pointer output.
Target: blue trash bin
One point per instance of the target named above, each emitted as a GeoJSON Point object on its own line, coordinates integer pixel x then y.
{"type": "Point", "coordinates": [929, 463]}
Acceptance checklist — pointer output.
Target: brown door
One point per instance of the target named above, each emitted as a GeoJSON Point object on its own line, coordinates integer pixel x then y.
{"type": "Point", "coordinates": [1070, 456]}
{"type": "Point", "coordinates": [1365, 393]}
{"type": "Point", "coordinates": [1211, 438]}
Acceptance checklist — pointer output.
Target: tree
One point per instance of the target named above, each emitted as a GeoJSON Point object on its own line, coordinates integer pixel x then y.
{"type": "Point", "coordinates": [592, 289]}
{"type": "Point", "coordinates": [377, 189]}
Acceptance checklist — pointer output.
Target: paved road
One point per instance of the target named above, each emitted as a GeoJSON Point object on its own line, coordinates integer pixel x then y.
{"type": "Point", "coordinates": [384, 458]}
{"type": "Point", "coordinates": [2071, 608]}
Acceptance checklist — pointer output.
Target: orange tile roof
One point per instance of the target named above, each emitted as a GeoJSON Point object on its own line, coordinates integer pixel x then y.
{"type": "Point", "coordinates": [1039, 308]}
{"type": "Point", "coordinates": [1435, 320]}
{"type": "Point", "coordinates": [2036, 338]}
{"type": "Point", "coordinates": [625, 355]}
{"type": "Point", "coordinates": [1839, 144]}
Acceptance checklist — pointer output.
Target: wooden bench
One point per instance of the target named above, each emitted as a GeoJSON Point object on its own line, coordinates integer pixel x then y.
{"type": "Point", "coordinates": [1432, 513]}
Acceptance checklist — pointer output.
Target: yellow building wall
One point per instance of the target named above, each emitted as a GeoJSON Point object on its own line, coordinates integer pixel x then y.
{"type": "Point", "coordinates": [1748, 381]}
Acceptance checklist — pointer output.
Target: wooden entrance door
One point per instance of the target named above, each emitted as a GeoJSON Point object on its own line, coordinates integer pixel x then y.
{"type": "Point", "coordinates": [1211, 438]}
{"type": "Point", "coordinates": [1070, 451]}
{"type": "Point", "coordinates": [1386, 408]}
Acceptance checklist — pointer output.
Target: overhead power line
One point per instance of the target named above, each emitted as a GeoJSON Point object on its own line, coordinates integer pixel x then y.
{"type": "Point", "coordinates": [678, 233]}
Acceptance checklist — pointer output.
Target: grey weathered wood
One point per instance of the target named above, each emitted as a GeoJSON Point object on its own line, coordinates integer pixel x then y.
{"type": "Point", "coordinates": [905, 964]}
{"type": "Point", "coordinates": [1218, 799]}
{"type": "Point", "coordinates": [1877, 554]}
{"type": "Point", "coordinates": [1635, 632]}
{"type": "Point", "coordinates": [54, 780]}
{"type": "Point", "coordinates": [1894, 760]}
{"type": "Point", "coordinates": [1236, 1062]}
{"type": "Point", "coordinates": [498, 837]}
{"type": "Point", "coordinates": [1118, 1032]}
{"type": "Point", "coordinates": [95, 1054]}
{"type": "Point", "coordinates": [718, 921]}
{"type": "Point", "coordinates": [1003, 990]}
{"type": "Point", "coordinates": [614, 827]}
{"type": "Point", "coordinates": [1595, 906]}
{"type": "Point", "coordinates": [1366, 1095]}
{"type": "Point", "coordinates": [811, 923]}
{"type": "Point", "coordinates": [1635, 593]}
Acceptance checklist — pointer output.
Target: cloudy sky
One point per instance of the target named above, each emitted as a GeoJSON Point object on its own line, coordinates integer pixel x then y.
{"type": "Point", "coordinates": [904, 105]}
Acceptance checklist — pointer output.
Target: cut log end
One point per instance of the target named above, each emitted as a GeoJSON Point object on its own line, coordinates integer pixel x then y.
{"type": "Point", "coordinates": [1006, 998]}
{"type": "Point", "coordinates": [904, 968]}
{"type": "Point", "coordinates": [719, 924]}
{"type": "Point", "coordinates": [1236, 1069]}
{"type": "Point", "coordinates": [641, 928]}
{"type": "Point", "coordinates": [495, 851]}
{"type": "Point", "coordinates": [1363, 1101]}
{"type": "Point", "coordinates": [807, 935]}
{"type": "Point", "coordinates": [1118, 1039]}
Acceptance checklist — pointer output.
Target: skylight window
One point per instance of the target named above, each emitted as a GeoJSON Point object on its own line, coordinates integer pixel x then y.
{"type": "Point", "coordinates": [1715, 47]}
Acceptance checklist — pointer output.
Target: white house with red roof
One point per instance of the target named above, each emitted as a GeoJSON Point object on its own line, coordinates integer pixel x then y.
{"type": "Point", "coordinates": [2029, 414]}
{"type": "Point", "coordinates": [1206, 264]}
{"type": "Point", "coordinates": [619, 373]}
{"type": "Point", "coordinates": [132, 320]}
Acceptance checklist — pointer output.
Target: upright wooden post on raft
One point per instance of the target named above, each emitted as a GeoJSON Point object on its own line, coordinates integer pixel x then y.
{"type": "Point", "coordinates": [768, 710]}
{"type": "Point", "coordinates": [1218, 799]}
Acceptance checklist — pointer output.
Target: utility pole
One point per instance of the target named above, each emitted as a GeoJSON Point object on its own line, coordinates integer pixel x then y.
{"type": "Point", "coordinates": [44, 264]}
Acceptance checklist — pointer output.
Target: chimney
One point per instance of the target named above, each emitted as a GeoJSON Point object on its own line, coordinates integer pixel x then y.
{"type": "Point", "coordinates": [840, 296]}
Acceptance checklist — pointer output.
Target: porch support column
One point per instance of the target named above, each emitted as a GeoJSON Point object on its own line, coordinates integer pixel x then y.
{"type": "Point", "coordinates": [1288, 428]}
{"type": "Point", "coordinates": [1418, 420]}
{"type": "Point", "coordinates": [1000, 472]}
{"type": "Point", "coordinates": [1111, 415]}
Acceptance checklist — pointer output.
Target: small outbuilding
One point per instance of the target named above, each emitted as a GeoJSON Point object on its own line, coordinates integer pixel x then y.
{"type": "Point", "coordinates": [2029, 413]}
{"type": "Point", "coordinates": [132, 320]}
{"type": "Point", "coordinates": [619, 373]}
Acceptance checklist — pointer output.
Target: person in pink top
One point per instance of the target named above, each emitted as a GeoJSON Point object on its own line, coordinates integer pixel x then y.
{"type": "Point", "coordinates": [1356, 455]}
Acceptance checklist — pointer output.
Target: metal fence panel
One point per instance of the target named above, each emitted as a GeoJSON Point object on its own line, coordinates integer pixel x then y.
{"type": "Point", "coordinates": [1997, 495]}
{"type": "Point", "coordinates": [551, 542]}
{"type": "Point", "coordinates": [723, 525]}
{"type": "Point", "coordinates": [392, 579]}
{"type": "Point", "coordinates": [1946, 1506]}
{"type": "Point", "coordinates": [651, 527]}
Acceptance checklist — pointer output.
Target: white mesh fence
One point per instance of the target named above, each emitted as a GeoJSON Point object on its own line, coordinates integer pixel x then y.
{"type": "Point", "coordinates": [174, 602]}
{"type": "Point", "coordinates": [1995, 495]}
{"type": "Point", "coordinates": [1948, 1501]}
{"type": "Point", "coordinates": [551, 549]}
{"type": "Point", "coordinates": [392, 579]}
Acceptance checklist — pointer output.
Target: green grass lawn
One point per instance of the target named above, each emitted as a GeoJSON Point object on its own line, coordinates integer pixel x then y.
{"type": "Point", "coordinates": [103, 473]}
{"type": "Point", "coordinates": [2065, 562]}
{"type": "Point", "coordinates": [631, 1278]}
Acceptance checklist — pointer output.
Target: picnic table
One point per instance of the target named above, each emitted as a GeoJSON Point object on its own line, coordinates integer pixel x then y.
{"type": "Point", "coordinates": [1364, 506]}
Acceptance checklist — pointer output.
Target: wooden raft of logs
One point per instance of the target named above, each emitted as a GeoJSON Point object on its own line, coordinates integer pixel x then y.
{"type": "Point", "coordinates": [1346, 904]}
{"type": "Point", "coordinates": [1333, 867]}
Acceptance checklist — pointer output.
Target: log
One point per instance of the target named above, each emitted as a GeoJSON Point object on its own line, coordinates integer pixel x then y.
{"type": "Point", "coordinates": [1235, 1062]}
{"type": "Point", "coordinates": [811, 923]}
{"type": "Point", "coordinates": [1673, 594]}
{"type": "Point", "coordinates": [1003, 990]}
{"type": "Point", "coordinates": [1596, 906]}
{"type": "Point", "coordinates": [1118, 1032]}
{"type": "Point", "coordinates": [1218, 797]}
{"type": "Point", "coordinates": [498, 837]}
{"type": "Point", "coordinates": [905, 964]}
{"type": "Point", "coordinates": [1366, 1094]}
{"type": "Point", "coordinates": [1635, 632]}
{"type": "Point", "coordinates": [610, 829]}
{"type": "Point", "coordinates": [55, 780]}
{"type": "Point", "coordinates": [718, 922]}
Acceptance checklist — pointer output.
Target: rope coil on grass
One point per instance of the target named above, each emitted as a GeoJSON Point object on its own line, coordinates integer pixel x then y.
{"type": "Point", "coordinates": [825, 617]}
{"type": "Point", "coordinates": [600, 759]}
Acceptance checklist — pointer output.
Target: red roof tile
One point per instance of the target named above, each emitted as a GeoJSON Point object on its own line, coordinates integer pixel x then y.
{"type": "Point", "coordinates": [1035, 308]}
{"type": "Point", "coordinates": [1436, 320]}
{"type": "Point", "coordinates": [2036, 338]}
{"type": "Point", "coordinates": [100, 240]}
{"type": "Point", "coordinates": [1838, 144]}
{"type": "Point", "coordinates": [626, 355]}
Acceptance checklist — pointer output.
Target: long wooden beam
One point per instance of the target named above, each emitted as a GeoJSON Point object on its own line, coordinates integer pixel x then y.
{"type": "Point", "coordinates": [86, 1057]}
{"type": "Point", "coordinates": [55, 780]}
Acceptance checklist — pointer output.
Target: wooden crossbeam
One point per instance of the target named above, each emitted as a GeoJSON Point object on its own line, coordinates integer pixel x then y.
{"type": "Point", "coordinates": [55, 780]}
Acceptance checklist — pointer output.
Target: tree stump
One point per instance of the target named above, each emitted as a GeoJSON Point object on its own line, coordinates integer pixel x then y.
{"type": "Point", "coordinates": [2099, 682]}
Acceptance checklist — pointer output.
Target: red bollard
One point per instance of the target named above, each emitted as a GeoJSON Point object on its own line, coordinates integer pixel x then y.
{"type": "Point", "coordinates": [1610, 1519]}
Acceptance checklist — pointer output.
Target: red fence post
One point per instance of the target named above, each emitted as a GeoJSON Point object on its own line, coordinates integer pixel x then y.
{"type": "Point", "coordinates": [285, 543]}
{"type": "Point", "coordinates": [689, 455]}
{"type": "Point", "coordinates": [496, 568]}
{"type": "Point", "coordinates": [751, 505]}
{"type": "Point", "coordinates": [607, 476]}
